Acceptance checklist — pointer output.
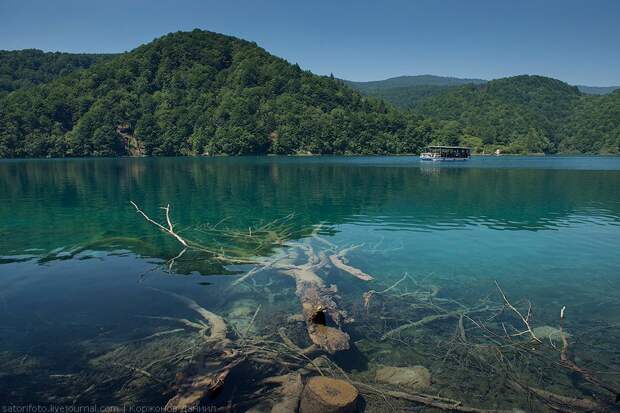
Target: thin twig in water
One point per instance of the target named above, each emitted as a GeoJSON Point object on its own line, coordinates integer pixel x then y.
{"type": "Point", "coordinates": [526, 320]}
{"type": "Point", "coordinates": [247, 330]}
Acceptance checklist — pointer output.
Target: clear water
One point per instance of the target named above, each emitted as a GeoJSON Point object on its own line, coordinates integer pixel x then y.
{"type": "Point", "coordinates": [81, 273]}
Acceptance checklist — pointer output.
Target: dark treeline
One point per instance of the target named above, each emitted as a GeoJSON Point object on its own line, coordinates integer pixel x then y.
{"type": "Point", "coordinates": [197, 93]}
{"type": "Point", "coordinates": [25, 68]}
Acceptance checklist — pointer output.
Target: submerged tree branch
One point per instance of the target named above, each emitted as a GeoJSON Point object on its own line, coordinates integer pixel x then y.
{"type": "Point", "coordinates": [525, 319]}
{"type": "Point", "coordinates": [169, 230]}
{"type": "Point", "coordinates": [586, 374]}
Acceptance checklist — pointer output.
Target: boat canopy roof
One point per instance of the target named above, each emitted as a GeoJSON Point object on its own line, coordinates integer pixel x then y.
{"type": "Point", "coordinates": [447, 147]}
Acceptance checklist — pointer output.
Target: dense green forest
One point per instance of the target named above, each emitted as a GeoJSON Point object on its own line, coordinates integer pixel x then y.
{"type": "Point", "coordinates": [405, 97]}
{"type": "Point", "coordinates": [594, 126]}
{"type": "Point", "coordinates": [525, 114]}
{"type": "Point", "coordinates": [24, 68]}
{"type": "Point", "coordinates": [192, 93]}
{"type": "Point", "coordinates": [521, 114]}
{"type": "Point", "coordinates": [200, 92]}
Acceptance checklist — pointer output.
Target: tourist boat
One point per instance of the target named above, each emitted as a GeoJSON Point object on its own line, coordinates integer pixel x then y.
{"type": "Point", "coordinates": [446, 153]}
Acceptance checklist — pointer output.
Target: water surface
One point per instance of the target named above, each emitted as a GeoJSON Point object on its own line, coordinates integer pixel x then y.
{"type": "Point", "coordinates": [81, 273]}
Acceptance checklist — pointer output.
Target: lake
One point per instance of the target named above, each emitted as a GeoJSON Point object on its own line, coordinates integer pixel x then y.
{"type": "Point", "coordinates": [99, 306]}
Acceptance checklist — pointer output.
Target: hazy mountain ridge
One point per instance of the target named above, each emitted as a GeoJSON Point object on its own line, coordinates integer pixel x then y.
{"type": "Point", "coordinates": [407, 91]}
{"type": "Point", "coordinates": [597, 90]}
{"type": "Point", "coordinates": [408, 81]}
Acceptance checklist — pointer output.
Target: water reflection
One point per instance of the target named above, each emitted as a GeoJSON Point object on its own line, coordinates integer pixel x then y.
{"type": "Point", "coordinates": [62, 204]}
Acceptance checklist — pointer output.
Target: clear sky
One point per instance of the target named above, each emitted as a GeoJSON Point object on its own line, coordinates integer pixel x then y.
{"type": "Point", "coordinates": [577, 41]}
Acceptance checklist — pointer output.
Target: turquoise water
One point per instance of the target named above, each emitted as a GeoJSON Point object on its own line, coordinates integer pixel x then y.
{"type": "Point", "coordinates": [81, 274]}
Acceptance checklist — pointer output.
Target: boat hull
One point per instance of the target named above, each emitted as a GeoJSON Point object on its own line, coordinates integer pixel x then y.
{"type": "Point", "coordinates": [433, 159]}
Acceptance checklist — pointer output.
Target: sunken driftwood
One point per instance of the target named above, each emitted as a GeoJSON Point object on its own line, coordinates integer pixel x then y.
{"type": "Point", "coordinates": [191, 389]}
{"type": "Point", "coordinates": [585, 373]}
{"type": "Point", "coordinates": [319, 310]}
{"type": "Point", "coordinates": [289, 393]}
{"type": "Point", "coordinates": [328, 395]}
{"type": "Point", "coordinates": [340, 261]}
{"type": "Point", "coordinates": [321, 313]}
{"type": "Point", "coordinates": [323, 318]}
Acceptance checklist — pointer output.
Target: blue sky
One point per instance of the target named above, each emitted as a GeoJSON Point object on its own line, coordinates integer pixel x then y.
{"type": "Point", "coordinates": [576, 41]}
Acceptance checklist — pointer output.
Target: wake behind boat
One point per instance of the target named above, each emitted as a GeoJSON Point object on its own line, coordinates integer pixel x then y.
{"type": "Point", "coordinates": [446, 153]}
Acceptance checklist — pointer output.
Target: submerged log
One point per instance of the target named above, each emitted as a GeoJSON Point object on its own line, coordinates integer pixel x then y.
{"type": "Point", "coordinates": [328, 395]}
{"type": "Point", "coordinates": [323, 318]}
{"type": "Point", "coordinates": [321, 313]}
{"type": "Point", "coordinates": [339, 263]}
{"type": "Point", "coordinates": [289, 393]}
{"type": "Point", "coordinates": [192, 389]}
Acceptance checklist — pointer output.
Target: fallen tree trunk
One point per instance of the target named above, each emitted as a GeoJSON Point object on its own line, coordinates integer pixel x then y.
{"type": "Point", "coordinates": [321, 313]}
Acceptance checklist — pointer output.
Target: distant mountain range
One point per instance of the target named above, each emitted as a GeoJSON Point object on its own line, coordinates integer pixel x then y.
{"type": "Point", "coordinates": [597, 90]}
{"type": "Point", "coordinates": [407, 91]}
{"type": "Point", "coordinates": [408, 81]}
{"type": "Point", "coordinates": [432, 80]}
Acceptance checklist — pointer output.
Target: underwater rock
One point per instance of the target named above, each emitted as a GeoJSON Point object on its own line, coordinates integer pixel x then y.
{"type": "Point", "coordinates": [328, 395]}
{"type": "Point", "coordinates": [548, 333]}
{"type": "Point", "coordinates": [415, 378]}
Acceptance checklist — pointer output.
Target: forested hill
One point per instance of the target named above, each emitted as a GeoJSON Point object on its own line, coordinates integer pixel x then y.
{"type": "Point", "coordinates": [24, 68]}
{"type": "Point", "coordinates": [594, 126]}
{"type": "Point", "coordinates": [526, 114]}
{"type": "Point", "coordinates": [192, 93]}
{"type": "Point", "coordinates": [200, 92]}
